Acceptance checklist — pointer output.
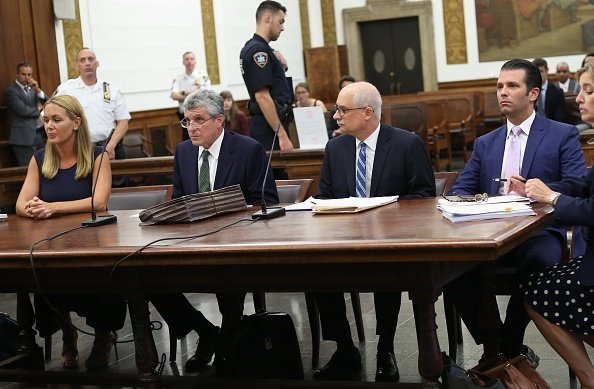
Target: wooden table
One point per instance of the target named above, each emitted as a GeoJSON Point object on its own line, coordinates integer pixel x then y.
{"type": "Point", "coordinates": [405, 245]}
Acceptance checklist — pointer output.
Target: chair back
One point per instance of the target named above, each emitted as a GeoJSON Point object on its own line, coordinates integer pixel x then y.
{"type": "Point", "coordinates": [293, 191]}
{"type": "Point", "coordinates": [139, 197]}
{"type": "Point", "coordinates": [133, 145]}
{"type": "Point", "coordinates": [444, 182]}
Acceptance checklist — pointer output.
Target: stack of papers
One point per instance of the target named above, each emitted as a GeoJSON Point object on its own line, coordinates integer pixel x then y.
{"type": "Point", "coordinates": [461, 212]}
{"type": "Point", "coordinates": [3, 217]}
{"type": "Point", "coordinates": [350, 204]}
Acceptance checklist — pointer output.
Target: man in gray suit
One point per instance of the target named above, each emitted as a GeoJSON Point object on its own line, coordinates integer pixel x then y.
{"type": "Point", "coordinates": [22, 99]}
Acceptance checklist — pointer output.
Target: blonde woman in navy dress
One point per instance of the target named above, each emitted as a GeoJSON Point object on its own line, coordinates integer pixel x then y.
{"type": "Point", "coordinates": [59, 181]}
{"type": "Point", "coordinates": [560, 300]}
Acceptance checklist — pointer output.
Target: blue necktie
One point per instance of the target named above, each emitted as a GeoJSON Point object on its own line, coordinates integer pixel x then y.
{"type": "Point", "coordinates": [361, 177]}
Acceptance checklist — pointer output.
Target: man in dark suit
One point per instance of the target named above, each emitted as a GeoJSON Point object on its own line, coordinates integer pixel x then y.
{"type": "Point", "coordinates": [543, 149]}
{"type": "Point", "coordinates": [212, 158]}
{"type": "Point", "coordinates": [551, 101]}
{"type": "Point", "coordinates": [22, 99]}
{"type": "Point", "coordinates": [564, 81]}
{"type": "Point", "coordinates": [371, 160]}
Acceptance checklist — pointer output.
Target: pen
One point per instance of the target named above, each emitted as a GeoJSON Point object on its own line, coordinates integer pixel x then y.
{"type": "Point", "coordinates": [505, 180]}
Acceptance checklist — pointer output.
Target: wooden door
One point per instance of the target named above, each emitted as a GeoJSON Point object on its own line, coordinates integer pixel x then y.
{"type": "Point", "coordinates": [392, 55]}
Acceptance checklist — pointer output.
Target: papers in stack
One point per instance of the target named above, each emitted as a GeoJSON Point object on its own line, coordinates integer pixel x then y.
{"type": "Point", "coordinates": [350, 204]}
{"type": "Point", "coordinates": [497, 209]}
{"type": "Point", "coordinates": [3, 217]}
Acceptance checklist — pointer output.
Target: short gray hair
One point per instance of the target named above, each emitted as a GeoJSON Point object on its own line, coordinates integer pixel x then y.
{"type": "Point", "coordinates": [369, 96]}
{"type": "Point", "coordinates": [207, 99]}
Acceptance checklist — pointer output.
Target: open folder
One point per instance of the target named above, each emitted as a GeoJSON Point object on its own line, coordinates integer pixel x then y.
{"type": "Point", "coordinates": [350, 204]}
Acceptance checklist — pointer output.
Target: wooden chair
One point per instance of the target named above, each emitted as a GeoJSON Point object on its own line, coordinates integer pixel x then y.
{"type": "Point", "coordinates": [139, 197]}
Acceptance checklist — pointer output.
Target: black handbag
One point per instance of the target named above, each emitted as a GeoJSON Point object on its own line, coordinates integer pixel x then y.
{"type": "Point", "coordinates": [9, 337]}
{"type": "Point", "coordinates": [264, 345]}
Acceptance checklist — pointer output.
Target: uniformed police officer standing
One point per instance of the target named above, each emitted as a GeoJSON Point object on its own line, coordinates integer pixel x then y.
{"type": "Point", "coordinates": [103, 103]}
{"type": "Point", "coordinates": [264, 76]}
{"type": "Point", "coordinates": [187, 82]}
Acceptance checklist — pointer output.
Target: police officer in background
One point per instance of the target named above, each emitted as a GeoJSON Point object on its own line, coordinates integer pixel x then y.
{"type": "Point", "coordinates": [264, 75]}
{"type": "Point", "coordinates": [103, 103]}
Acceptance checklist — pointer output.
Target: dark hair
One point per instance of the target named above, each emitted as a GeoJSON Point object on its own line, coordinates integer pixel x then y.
{"type": "Point", "coordinates": [540, 62]}
{"type": "Point", "coordinates": [344, 78]}
{"type": "Point", "coordinates": [271, 6]}
{"type": "Point", "coordinates": [532, 76]}
{"type": "Point", "coordinates": [23, 65]}
{"type": "Point", "coordinates": [231, 116]}
{"type": "Point", "coordinates": [590, 54]}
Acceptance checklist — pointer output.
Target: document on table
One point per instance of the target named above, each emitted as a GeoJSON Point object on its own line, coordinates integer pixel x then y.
{"type": "Point", "coordinates": [350, 204]}
{"type": "Point", "coordinates": [490, 200]}
{"type": "Point", "coordinates": [483, 211]}
{"type": "Point", "coordinates": [311, 127]}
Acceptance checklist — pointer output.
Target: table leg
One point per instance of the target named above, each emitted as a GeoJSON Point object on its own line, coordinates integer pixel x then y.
{"type": "Point", "coordinates": [430, 360]}
{"type": "Point", "coordinates": [146, 351]}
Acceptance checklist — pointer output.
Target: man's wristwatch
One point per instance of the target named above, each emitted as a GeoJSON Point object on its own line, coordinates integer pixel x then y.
{"type": "Point", "coordinates": [553, 198]}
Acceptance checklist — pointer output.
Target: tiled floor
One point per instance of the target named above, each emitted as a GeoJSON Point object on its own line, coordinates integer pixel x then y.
{"type": "Point", "coordinates": [552, 368]}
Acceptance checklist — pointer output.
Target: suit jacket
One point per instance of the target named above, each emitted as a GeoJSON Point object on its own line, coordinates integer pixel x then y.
{"type": "Point", "coordinates": [552, 154]}
{"type": "Point", "coordinates": [242, 161]}
{"type": "Point", "coordinates": [24, 115]}
{"type": "Point", "coordinates": [401, 166]}
{"type": "Point", "coordinates": [555, 103]}
{"type": "Point", "coordinates": [576, 207]}
{"type": "Point", "coordinates": [572, 88]}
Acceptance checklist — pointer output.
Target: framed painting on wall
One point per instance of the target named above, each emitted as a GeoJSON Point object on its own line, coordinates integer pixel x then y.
{"type": "Point", "coordinates": [533, 28]}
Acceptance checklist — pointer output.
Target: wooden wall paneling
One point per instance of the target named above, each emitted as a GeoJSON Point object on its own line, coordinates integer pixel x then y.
{"type": "Point", "coordinates": [324, 66]}
{"type": "Point", "coordinates": [46, 50]}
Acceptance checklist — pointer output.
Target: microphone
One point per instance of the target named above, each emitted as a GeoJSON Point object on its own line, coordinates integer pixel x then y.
{"type": "Point", "coordinates": [96, 221]}
{"type": "Point", "coordinates": [274, 212]}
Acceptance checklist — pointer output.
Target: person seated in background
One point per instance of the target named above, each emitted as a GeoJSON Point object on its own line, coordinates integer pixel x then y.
{"type": "Point", "coordinates": [59, 180]}
{"type": "Point", "coordinates": [303, 97]}
{"type": "Point", "coordinates": [564, 81]}
{"type": "Point", "coordinates": [551, 101]}
{"type": "Point", "coordinates": [235, 120]}
{"type": "Point", "coordinates": [560, 299]}
{"type": "Point", "coordinates": [533, 146]}
{"type": "Point", "coordinates": [224, 158]}
{"type": "Point", "coordinates": [332, 125]}
{"type": "Point", "coordinates": [589, 58]}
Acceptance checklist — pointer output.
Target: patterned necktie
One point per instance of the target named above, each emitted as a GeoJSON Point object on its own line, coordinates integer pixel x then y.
{"type": "Point", "coordinates": [361, 177]}
{"type": "Point", "coordinates": [204, 175]}
{"type": "Point", "coordinates": [512, 165]}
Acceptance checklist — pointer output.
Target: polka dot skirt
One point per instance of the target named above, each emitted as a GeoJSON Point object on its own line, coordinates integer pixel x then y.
{"type": "Point", "coordinates": [559, 297]}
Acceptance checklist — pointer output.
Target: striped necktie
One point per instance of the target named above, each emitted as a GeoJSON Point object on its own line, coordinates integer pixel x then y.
{"type": "Point", "coordinates": [204, 174]}
{"type": "Point", "coordinates": [361, 176]}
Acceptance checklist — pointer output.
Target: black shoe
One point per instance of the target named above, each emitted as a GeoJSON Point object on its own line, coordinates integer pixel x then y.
{"type": "Point", "coordinates": [204, 352]}
{"type": "Point", "coordinates": [531, 356]}
{"type": "Point", "coordinates": [343, 365]}
{"type": "Point", "coordinates": [387, 370]}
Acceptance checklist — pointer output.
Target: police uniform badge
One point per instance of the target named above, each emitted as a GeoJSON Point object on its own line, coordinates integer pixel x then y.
{"type": "Point", "coordinates": [106, 93]}
{"type": "Point", "coordinates": [261, 58]}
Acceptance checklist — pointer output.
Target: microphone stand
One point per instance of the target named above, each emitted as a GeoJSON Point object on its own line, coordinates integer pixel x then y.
{"type": "Point", "coordinates": [96, 221]}
{"type": "Point", "coordinates": [273, 212]}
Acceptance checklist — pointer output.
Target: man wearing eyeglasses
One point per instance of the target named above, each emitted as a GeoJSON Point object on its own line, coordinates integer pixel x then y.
{"type": "Point", "coordinates": [370, 160]}
{"type": "Point", "coordinates": [531, 146]}
{"type": "Point", "coordinates": [212, 158]}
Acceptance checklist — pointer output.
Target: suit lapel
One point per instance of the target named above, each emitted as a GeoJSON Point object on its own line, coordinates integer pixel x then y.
{"type": "Point", "coordinates": [192, 170]}
{"type": "Point", "coordinates": [537, 133]}
{"type": "Point", "coordinates": [349, 164]}
{"type": "Point", "coordinates": [382, 150]}
{"type": "Point", "coordinates": [226, 157]}
{"type": "Point", "coordinates": [497, 163]}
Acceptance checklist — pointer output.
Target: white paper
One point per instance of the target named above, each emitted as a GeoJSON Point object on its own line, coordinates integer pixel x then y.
{"type": "Point", "coordinates": [311, 127]}
{"type": "Point", "coordinates": [350, 204]}
{"type": "Point", "coordinates": [303, 206]}
{"type": "Point", "coordinates": [484, 211]}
